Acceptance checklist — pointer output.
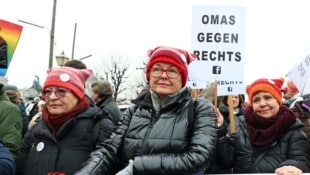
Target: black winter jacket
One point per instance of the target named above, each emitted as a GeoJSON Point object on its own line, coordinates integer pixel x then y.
{"type": "Point", "coordinates": [109, 106]}
{"type": "Point", "coordinates": [76, 139]}
{"type": "Point", "coordinates": [162, 143]}
{"type": "Point", "coordinates": [238, 152]}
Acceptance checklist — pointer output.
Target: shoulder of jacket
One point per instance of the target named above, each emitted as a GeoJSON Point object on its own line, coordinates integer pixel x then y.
{"type": "Point", "coordinates": [93, 112]}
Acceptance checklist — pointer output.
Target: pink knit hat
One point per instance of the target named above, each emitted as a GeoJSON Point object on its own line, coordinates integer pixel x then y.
{"type": "Point", "coordinates": [177, 57]}
{"type": "Point", "coordinates": [273, 86]}
{"type": "Point", "coordinates": [69, 78]}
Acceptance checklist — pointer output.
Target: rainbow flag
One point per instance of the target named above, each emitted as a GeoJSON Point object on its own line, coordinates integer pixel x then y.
{"type": "Point", "coordinates": [9, 37]}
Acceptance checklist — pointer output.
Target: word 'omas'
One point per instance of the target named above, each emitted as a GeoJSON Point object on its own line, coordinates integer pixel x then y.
{"type": "Point", "coordinates": [218, 37]}
{"type": "Point", "coordinates": [218, 20]}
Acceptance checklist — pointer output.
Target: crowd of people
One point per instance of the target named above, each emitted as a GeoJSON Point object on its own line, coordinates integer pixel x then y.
{"type": "Point", "coordinates": [165, 131]}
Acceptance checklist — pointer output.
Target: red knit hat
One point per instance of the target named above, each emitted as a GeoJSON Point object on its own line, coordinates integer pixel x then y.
{"type": "Point", "coordinates": [291, 86]}
{"type": "Point", "coordinates": [177, 57]}
{"type": "Point", "coordinates": [69, 78]}
{"type": "Point", "coordinates": [273, 86]}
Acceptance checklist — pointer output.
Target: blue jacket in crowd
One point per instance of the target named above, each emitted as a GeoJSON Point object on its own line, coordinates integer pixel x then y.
{"type": "Point", "coordinates": [7, 163]}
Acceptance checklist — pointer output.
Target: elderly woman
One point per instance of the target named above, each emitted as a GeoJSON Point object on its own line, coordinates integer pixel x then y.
{"type": "Point", "coordinates": [166, 131]}
{"type": "Point", "coordinates": [69, 129]}
{"type": "Point", "coordinates": [268, 136]}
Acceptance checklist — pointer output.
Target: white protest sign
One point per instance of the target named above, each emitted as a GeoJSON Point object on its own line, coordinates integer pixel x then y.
{"type": "Point", "coordinates": [300, 75]}
{"type": "Point", "coordinates": [218, 40]}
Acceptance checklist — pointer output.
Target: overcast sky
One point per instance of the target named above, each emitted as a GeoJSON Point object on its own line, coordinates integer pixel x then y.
{"type": "Point", "coordinates": [277, 32]}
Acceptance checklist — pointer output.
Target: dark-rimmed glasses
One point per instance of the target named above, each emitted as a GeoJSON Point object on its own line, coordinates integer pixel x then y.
{"type": "Point", "coordinates": [171, 72]}
{"type": "Point", "coordinates": [59, 92]}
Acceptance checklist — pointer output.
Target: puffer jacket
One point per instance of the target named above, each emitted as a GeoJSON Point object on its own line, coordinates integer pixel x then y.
{"type": "Point", "coordinates": [109, 106]}
{"type": "Point", "coordinates": [238, 152]}
{"type": "Point", "coordinates": [162, 143]}
{"type": "Point", "coordinates": [76, 139]}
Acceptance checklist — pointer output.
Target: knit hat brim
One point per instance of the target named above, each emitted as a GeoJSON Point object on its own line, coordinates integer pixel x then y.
{"type": "Point", "coordinates": [266, 85]}
{"type": "Point", "coordinates": [169, 60]}
{"type": "Point", "coordinates": [177, 57]}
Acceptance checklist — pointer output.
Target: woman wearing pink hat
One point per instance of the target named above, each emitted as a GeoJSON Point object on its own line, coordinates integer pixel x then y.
{"type": "Point", "coordinates": [291, 95]}
{"type": "Point", "coordinates": [268, 137]}
{"type": "Point", "coordinates": [68, 131]}
{"type": "Point", "coordinates": [166, 131]}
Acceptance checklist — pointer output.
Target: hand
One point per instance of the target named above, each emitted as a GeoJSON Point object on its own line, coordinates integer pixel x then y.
{"type": "Point", "coordinates": [288, 170]}
{"type": "Point", "coordinates": [219, 117]}
{"type": "Point", "coordinates": [128, 170]}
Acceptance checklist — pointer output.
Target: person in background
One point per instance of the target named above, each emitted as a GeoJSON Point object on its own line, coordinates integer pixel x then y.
{"type": "Point", "coordinates": [70, 128]}
{"type": "Point", "coordinates": [28, 103]}
{"type": "Point", "coordinates": [268, 137]}
{"type": "Point", "coordinates": [32, 108]}
{"type": "Point", "coordinates": [238, 108]}
{"type": "Point", "coordinates": [102, 95]}
{"type": "Point", "coordinates": [291, 94]}
{"type": "Point", "coordinates": [296, 102]}
{"type": "Point", "coordinates": [209, 93]}
{"type": "Point", "coordinates": [38, 116]}
{"type": "Point", "coordinates": [11, 123]}
{"type": "Point", "coordinates": [7, 163]}
{"type": "Point", "coordinates": [15, 97]}
{"type": "Point", "coordinates": [166, 131]}
{"type": "Point", "coordinates": [77, 64]}
{"type": "Point", "coordinates": [11, 92]}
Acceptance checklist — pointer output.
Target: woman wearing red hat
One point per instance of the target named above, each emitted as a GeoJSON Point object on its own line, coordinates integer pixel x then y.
{"type": "Point", "coordinates": [165, 131]}
{"type": "Point", "coordinates": [268, 138]}
{"type": "Point", "coordinates": [69, 129]}
{"type": "Point", "coordinates": [291, 95]}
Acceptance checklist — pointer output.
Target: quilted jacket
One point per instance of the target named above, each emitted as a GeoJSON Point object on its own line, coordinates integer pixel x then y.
{"type": "Point", "coordinates": [166, 142]}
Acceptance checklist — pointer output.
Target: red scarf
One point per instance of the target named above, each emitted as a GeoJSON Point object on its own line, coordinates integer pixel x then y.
{"type": "Point", "coordinates": [263, 131]}
{"type": "Point", "coordinates": [54, 122]}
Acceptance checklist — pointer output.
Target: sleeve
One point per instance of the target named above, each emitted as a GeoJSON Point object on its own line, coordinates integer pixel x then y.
{"type": "Point", "coordinates": [225, 147]}
{"type": "Point", "coordinates": [199, 153]}
{"type": "Point", "coordinates": [11, 129]}
{"type": "Point", "coordinates": [224, 154]}
{"type": "Point", "coordinates": [298, 151]}
{"type": "Point", "coordinates": [103, 159]}
{"type": "Point", "coordinates": [23, 154]}
{"type": "Point", "coordinates": [106, 126]}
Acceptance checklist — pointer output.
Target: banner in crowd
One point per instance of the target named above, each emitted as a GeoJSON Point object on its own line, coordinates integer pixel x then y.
{"type": "Point", "coordinates": [300, 75]}
{"type": "Point", "coordinates": [9, 37]}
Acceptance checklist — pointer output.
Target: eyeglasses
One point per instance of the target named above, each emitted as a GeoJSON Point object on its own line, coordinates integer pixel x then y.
{"type": "Point", "coordinates": [59, 92]}
{"type": "Point", "coordinates": [171, 73]}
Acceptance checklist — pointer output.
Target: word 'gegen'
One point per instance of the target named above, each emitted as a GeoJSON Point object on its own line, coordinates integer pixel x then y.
{"type": "Point", "coordinates": [218, 37]}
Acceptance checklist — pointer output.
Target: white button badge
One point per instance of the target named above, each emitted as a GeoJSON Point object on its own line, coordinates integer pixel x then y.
{"type": "Point", "coordinates": [40, 146]}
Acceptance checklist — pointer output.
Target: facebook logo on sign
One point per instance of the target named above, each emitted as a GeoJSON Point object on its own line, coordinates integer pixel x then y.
{"type": "Point", "coordinates": [216, 69]}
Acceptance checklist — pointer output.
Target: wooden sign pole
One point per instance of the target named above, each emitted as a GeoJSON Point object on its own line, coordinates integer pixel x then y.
{"type": "Point", "coordinates": [232, 126]}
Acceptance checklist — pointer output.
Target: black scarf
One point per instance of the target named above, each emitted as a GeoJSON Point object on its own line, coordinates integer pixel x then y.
{"type": "Point", "coordinates": [264, 131]}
